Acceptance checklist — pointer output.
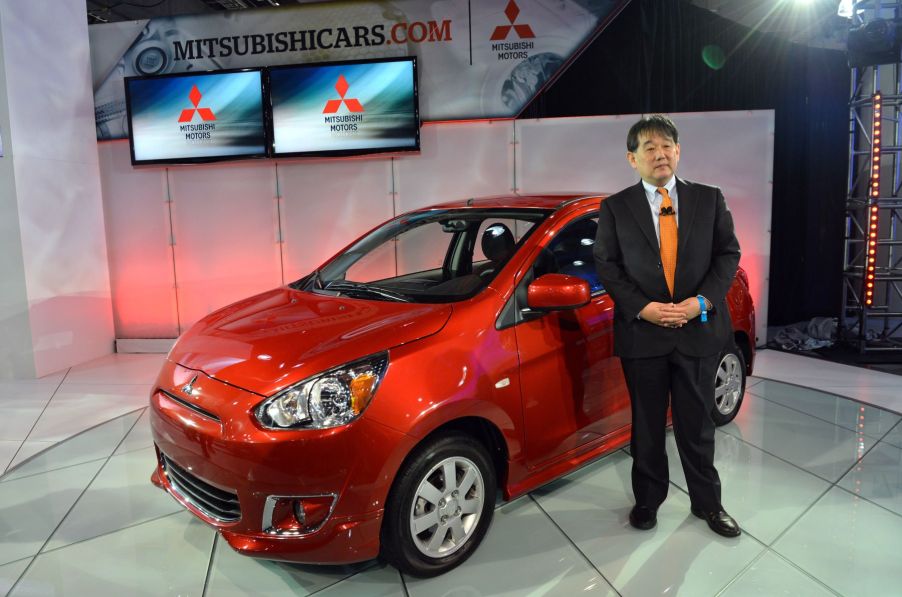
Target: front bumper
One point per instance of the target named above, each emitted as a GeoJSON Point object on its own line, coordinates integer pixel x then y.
{"type": "Point", "coordinates": [340, 540]}
{"type": "Point", "coordinates": [242, 466]}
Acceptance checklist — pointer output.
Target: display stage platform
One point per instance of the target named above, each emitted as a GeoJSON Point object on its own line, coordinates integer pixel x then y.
{"type": "Point", "coordinates": [814, 479]}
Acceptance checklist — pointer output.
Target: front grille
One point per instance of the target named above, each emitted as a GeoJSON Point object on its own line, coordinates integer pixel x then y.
{"type": "Point", "coordinates": [216, 503]}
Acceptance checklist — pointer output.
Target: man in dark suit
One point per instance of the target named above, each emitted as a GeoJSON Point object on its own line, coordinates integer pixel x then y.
{"type": "Point", "coordinates": [667, 254]}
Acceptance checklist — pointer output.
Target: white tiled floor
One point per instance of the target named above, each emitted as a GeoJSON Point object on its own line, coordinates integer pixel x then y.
{"type": "Point", "coordinates": [814, 478]}
{"type": "Point", "coordinates": [36, 414]}
{"type": "Point", "coordinates": [873, 387]}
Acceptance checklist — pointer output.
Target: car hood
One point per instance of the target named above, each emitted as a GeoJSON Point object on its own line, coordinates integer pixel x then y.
{"type": "Point", "coordinates": [273, 340]}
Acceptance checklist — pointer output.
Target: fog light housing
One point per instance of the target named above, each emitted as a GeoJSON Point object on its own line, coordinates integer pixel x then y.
{"type": "Point", "coordinates": [296, 515]}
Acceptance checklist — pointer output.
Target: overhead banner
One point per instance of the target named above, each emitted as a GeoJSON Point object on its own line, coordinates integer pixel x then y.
{"type": "Point", "coordinates": [476, 59]}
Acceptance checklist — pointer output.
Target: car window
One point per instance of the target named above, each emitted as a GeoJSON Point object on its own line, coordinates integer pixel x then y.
{"type": "Point", "coordinates": [570, 252]}
{"type": "Point", "coordinates": [420, 249]}
{"type": "Point", "coordinates": [432, 256]}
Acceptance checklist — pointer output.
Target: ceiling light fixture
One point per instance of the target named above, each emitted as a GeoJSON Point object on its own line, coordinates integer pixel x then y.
{"type": "Point", "coordinates": [846, 9]}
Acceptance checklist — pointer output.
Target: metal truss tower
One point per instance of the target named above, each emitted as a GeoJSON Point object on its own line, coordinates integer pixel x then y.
{"type": "Point", "coordinates": [871, 318]}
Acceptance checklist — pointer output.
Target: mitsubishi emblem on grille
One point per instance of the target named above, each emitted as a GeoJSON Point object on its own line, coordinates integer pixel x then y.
{"type": "Point", "coordinates": [188, 388]}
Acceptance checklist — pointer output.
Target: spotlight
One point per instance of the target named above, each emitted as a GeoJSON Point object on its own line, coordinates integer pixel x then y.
{"type": "Point", "coordinates": [846, 8]}
{"type": "Point", "coordinates": [875, 42]}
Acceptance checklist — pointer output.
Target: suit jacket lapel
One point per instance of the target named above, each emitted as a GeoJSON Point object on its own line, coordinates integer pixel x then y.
{"type": "Point", "coordinates": [638, 203]}
{"type": "Point", "coordinates": [686, 204]}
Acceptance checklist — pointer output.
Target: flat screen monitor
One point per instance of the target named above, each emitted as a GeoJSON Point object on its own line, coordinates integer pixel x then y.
{"type": "Point", "coordinates": [190, 118]}
{"type": "Point", "coordinates": [344, 108]}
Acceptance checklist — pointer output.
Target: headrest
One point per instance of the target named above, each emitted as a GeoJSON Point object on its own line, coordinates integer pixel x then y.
{"type": "Point", "coordinates": [497, 242]}
{"type": "Point", "coordinates": [580, 236]}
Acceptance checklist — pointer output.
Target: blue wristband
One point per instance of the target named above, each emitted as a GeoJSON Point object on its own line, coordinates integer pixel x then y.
{"type": "Point", "coordinates": [702, 305]}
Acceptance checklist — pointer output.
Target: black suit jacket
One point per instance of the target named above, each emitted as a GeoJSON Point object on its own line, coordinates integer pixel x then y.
{"type": "Point", "coordinates": [628, 260]}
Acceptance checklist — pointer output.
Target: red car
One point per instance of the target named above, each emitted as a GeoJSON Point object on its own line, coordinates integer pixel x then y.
{"type": "Point", "coordinates": [375, 406]}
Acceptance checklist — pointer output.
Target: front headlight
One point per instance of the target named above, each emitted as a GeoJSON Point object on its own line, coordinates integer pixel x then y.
{"type": "Point", "coordinates": [329, 399]}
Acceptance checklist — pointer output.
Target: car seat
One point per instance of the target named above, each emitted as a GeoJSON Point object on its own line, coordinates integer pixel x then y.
{"type": "Point", "coordinates": [497, 245]}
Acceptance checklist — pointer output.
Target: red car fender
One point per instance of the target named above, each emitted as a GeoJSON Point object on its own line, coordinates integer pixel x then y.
{"type": "Point", "coordinates": [454, 384]}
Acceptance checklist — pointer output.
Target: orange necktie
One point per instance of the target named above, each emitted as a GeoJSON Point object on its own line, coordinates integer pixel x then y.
{"type": "Point", "coordinates": [668, 226]}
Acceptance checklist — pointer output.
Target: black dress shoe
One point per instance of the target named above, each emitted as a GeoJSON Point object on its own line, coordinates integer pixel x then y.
{"type": "Point", "coordinates": [643, 517]}
{"type": "Point", "coordinates": [719, 521]}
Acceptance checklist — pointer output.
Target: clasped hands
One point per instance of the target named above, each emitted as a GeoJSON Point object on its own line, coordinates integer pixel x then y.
{"type": "Point", "coordinates": [670, 315]}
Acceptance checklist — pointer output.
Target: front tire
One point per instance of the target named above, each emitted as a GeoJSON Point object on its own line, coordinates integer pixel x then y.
{"type": "Point", "coordinates": [729, 385]}
{"type": "Point", "coordinates": [440, 506]}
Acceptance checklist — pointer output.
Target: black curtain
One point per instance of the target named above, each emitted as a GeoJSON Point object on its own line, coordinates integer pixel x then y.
{"type": "Point", "coordinates": [653, 58]}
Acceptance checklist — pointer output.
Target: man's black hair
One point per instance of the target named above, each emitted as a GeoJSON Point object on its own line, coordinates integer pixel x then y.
{"type": "Point", "coordinates": [648, 125]}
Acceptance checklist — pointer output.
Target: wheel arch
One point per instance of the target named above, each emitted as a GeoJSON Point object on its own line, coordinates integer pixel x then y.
{"type": "Point", "coordinates": [395, 543]}
{"type": "Point", "coordinates": [479, 428]}
{"type": "Point", "coordinates": [744, 343]}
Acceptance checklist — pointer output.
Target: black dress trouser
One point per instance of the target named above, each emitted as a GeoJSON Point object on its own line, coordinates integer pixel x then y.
{"type": "Point", "coordinates": [689, 382]}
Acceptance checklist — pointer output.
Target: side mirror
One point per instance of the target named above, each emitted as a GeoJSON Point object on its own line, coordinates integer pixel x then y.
{"type": "Point", "coordinates": [553, 292]}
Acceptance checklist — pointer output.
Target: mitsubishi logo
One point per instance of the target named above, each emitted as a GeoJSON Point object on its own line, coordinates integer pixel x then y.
{"type": "Point", "coordinates": [188, 388]}
{"type": "Point", "coordinates": [501, 31]}
{"type": "Point", "coordinates": [332, 106]}
{"type": "Point", "coordinates": [188, 113]}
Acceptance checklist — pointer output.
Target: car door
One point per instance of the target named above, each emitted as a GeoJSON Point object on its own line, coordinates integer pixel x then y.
{"type": "Point", "coordinates": [572, 384]}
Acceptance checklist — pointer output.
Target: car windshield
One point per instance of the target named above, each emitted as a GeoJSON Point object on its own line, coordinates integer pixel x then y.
{"type": "Point", "coordinates": [434, 256]}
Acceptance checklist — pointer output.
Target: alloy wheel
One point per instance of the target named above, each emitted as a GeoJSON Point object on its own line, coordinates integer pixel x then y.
{"type": "Point", "coordinates": [728, 384]}
{"type": "Point", "coordinates": [447, 506]}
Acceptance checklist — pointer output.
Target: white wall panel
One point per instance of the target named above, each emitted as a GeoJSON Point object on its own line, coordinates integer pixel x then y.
{"type": "Point", "coordinates": [733, 150]}
{"type": "Point", "coordinates": [225, 223]}
{"type": "Point", "coordinates": [66, 269]}
{"type": "Point", "coordinates": [16, 354]}
{"type": "Point", "coordinates": [326, 204]}
{"type": "Point", "coordinates": [573, 155]}
{"type": "Point", "coordinates": [457, 161]}
{"type": "Point", "coordinates": [51, 98]}
{"type": "Point", "coordinates": [52, 144]}
{"type": "Point", "coordinates": [137, 231]}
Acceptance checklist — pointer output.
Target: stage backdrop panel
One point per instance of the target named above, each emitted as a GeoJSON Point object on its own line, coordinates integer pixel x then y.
{"type": "Point", "coordinates": [226, 228]}
{"type": "Point", "coordinates": [457, 160]}
{"type": "Point", "coordinates": [475, 62]}
{"type": "Point", "coordinates": [138, 235]}
{"type": "Point", "coordinates": [244, 227]}
{"type": "Point", "coordinates": [326, 204]}
{"type": "Point", "coordinates": [740, 163]}
{"type": "Point", "coordinates": [733, 150]}
{"type": "Point", "coordinates": [573, 154]}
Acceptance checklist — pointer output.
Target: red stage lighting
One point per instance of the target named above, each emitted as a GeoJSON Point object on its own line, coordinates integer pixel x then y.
{"type": "Point", "coordinates": [871, 247]}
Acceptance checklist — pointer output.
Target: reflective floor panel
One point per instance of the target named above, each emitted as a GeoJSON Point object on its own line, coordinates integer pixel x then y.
{"type": "Point", "coordinates": [773, 576]}
{"type": "Point", "coordinates": [849, 543]}
{"type": "Point", "coordinates": [814, 478]}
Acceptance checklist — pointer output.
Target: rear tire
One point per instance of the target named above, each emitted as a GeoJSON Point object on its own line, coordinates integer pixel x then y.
{"type": "Point", "coordinates": [440, 506]}
{"type": "Point", "coordinates": [729, 385]}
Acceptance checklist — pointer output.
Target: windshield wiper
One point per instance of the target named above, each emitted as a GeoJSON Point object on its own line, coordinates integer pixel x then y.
{"type": "Point", "coordinates": [366, 289]}
{"type": "Point", "coordinates": [311, 282]}
{"type": "Point", "coordinates": [317, 281]}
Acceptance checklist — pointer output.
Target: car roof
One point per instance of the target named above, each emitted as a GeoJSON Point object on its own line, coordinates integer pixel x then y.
{"type": "Point", "coordinates": [544, 201]}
